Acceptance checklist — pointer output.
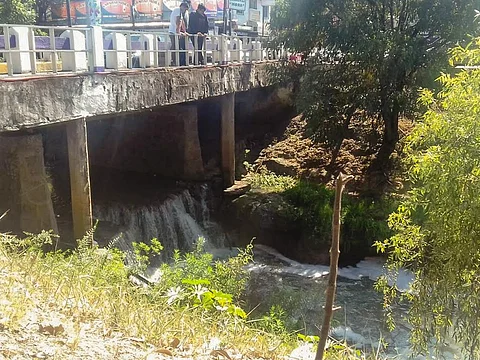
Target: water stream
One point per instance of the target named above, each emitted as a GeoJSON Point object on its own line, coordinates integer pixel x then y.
{"type": "Point", "coordinates": [180, 218]}
{"type": "Point", "coordinates": [177, 221]}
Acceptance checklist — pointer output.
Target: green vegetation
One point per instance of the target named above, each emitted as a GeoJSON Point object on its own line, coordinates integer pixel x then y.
{"type": "Point", "coordinates": [437, 224]}
{"type": "Point", "coordinates": [17, 11]}
{"type": "Point", "coordinates": [25, 11]}
{"type": "Point", "coordinates": [271, 182]}
{"type": "Point", "coordinates": [190, 304]}
{"type": "Point", "coordinates": [366, 59]}
{"type": "Point", "coordinates": [364, 220]}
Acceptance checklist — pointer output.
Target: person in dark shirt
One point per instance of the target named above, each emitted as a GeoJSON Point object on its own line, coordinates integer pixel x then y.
{"type": "Point", "coordinates": [198, 25]}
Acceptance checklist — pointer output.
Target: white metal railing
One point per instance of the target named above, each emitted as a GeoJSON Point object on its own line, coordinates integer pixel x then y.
{"type": "Point", "coordinates": [23, 49]}
{"type": "Point", "coordinates": [46, 49]}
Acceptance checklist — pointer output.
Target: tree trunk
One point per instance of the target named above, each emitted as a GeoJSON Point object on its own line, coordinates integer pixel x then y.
{"type": "Point", "coordinates": [342, 180]}
{"type": "Point", "coordinates": [390, 138]}
{"type": "Point", "coordinates": [337, 148]}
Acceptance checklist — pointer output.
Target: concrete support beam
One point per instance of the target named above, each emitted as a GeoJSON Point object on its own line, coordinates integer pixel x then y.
{"type": "Point", "coordinates": [193, 164]}
{"type": "Point", "coordinates": [24, 188]}
{"type": "Point", "coordinates": [228, 138]}
{"type": "Point", "coordinates": [79, 177]}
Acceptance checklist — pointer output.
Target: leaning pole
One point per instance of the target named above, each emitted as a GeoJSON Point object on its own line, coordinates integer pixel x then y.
{"type": "Point", "coordinates": [341, 181]}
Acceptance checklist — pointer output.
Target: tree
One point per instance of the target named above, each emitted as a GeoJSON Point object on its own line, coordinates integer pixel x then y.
{"type": "Point", "coordinates": [438, 223]}
{"type": "Point", "coordinates": [17, 11]}
{"type": "Point", "coordinates": [367, 58]}
{"type": "Point", "coordinates": [41, 9]}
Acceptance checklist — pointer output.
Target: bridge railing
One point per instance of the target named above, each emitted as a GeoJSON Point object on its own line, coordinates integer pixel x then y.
{"type": "Point", "coordinates": [34, 49]}
{"type": "Point", "coordinates": [30, 50]}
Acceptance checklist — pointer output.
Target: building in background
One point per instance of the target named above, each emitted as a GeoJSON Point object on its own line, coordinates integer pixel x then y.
{"type": "Point", "coordinates": [249, 17]}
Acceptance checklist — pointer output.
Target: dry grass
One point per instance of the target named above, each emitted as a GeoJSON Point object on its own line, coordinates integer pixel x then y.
{"type": "Point", "coordinates": [83, 305]}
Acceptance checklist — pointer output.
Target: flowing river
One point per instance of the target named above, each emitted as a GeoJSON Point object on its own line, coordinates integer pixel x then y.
{"type": "Point", "coordinates": [183, 216]}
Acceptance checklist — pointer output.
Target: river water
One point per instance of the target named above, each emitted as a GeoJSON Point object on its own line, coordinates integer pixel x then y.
{"type": "Point", "coordinates": [179, 219]}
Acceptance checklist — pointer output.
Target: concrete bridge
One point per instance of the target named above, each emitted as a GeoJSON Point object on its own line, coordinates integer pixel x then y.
{"type": "Point", "coordinates": [113, 99]}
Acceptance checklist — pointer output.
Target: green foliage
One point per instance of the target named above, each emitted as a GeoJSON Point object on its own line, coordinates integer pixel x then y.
{"type": "Point", "coordinates": [198, 267]}
{"type": "Point", "coordinates": [271, 182]}
{"type": "Point", "coordinates": [366, 58]}
{"type": "Point", "coordinates": [308, 338]}
{"type": "Point", "coordinates": [437, 225]}
{"type": "Point", "coordinates": [364, 221]}
{"type": "Point", "coordinates": [17, 11]}
{"type": "Point", "coordinates": [143, 252]}
{"type": "Point", "coordinates": [275, 320]}
{"type": "Point", "coordinates": [91, 284]}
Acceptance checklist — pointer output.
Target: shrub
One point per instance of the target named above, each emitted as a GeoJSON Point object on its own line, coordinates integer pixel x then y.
{"type": "Point", "coordinates": [364, 220]}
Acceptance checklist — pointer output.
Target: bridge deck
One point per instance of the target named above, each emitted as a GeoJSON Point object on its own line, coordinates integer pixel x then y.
{"type": "Point", "coordinates": [35, 101]}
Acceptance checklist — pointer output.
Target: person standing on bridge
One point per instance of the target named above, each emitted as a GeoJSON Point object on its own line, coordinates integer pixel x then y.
{"type": "Point", "coordinates": [178, 31]}
{"type": "Point", "coordinates": [198, 25]}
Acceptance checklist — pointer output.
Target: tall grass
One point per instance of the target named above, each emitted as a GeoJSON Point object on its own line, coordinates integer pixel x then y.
{"type": "Point", "coordinates": [196, 298]}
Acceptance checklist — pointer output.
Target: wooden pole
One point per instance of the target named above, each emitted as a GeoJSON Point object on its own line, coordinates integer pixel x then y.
{"type": "Point", "coordinates": [79, 177]}
{"type": "Point", "coordinates": [342, 180]}
{"type": "Point", "coordinates": [69, 15]}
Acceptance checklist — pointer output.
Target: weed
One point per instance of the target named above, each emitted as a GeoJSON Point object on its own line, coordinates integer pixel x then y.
{"type": "Point", "coordinates": [271, 182]}
{"type": "Point", "coordinates": [196, 299]}
{"type": "Point", "coordinates": [364, 220]}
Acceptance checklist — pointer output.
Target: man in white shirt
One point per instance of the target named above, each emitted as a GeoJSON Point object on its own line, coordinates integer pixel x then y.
{"type": "Point", "coordinates": [178, 31]}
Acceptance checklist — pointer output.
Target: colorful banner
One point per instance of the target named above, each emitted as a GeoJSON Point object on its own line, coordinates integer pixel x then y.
{"type": "Point", "coordinates": [116, 10]}
{"type": "Point", "coordinates": [148, 10]}
{"type": "Point", "coordinates": [171, 4]}
{"type": "Point", "coordinates": [78, 12]}
{"type": "Point", "coordinates": [219, 8]}
{"type": "Point", "coordinates": [80, 9]}
{"type": "Point", "coordinates": [94, 12]}
{"type": "Point", "coordinates": [211, 6]}
{"type": "Point", "coordinates": [59, 11]}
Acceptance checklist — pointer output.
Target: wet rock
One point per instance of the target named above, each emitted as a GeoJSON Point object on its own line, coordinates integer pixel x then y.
{"type": "Point", "coordinates": [267, 217]}
{"type": "Point", "coordinates": [238, 189]}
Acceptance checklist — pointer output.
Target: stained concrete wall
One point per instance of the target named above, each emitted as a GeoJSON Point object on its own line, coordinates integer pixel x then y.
{"type": "Point", "coordinates": [163, 142]}
{"type": "Point", "coordinates": [39, 101]}
{"type": "Point", "coordinates": [24, 189]}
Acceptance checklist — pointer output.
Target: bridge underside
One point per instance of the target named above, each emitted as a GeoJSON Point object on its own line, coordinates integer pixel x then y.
{"type": "Point", "coordinates": [32, 102]}
{"type": "Point", "coordinates": [127, 132]}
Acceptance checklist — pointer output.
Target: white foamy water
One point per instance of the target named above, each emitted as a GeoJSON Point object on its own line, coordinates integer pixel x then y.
{"type": "Point", "coordinates": [177, 222]}
{"type": "Point", "coordinates": [371, 268]}
{"type": "Point", "coordinates": [359, 321]}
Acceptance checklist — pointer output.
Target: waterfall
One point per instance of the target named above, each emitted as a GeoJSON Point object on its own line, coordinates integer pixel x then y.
{"type": "Point", "coordinates": [177, 221]}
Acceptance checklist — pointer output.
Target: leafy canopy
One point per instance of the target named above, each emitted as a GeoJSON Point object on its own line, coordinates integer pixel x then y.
{"type": "Point", "coordinates": [367, 58]}
{"type": "Point", "coordinates": [17, 11]}
{"type": "Point", "coordinates": [438, 224]}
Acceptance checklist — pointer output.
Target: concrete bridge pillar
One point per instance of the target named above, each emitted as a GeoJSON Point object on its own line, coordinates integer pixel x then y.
{"type": "Point", "coordinates": [24, 188]}
{"type": "Point", "coordinates": [79, 177]}
{"type": "Point", "coordinates": [228, 138]}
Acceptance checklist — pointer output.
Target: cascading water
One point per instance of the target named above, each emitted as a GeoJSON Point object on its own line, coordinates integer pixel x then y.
{"type": "Point", "coordinates": [177, 222]}
{"type": "Point", "coordinates": [183, 216]}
